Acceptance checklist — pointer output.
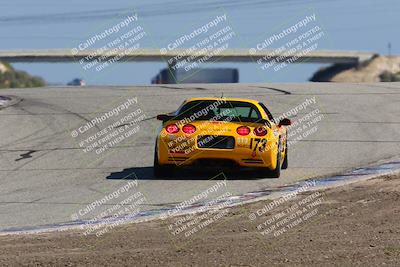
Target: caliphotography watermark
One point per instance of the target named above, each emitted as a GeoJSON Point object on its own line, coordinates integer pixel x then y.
{"type": "Point", "coordinates": [211, 129]}
{"type": "Point", "coordinates": [199, 212]}
{"type": "Point", "coordinates": [308, 116]}
{"type": "Point", "coordinates": [113, 209]}
{"type": "Point", "coordinates": [110, 128]}
{"type": "Point", "coordinates": [110, 45]}
{"type": "Point", "coordinates": [304, 127]}
{"type": "Point", "coordinates": [281, 215]}
{"type": "Point", "coordinates": [289, 44]}
{"type": "Point", "coordinates": [202, 44]}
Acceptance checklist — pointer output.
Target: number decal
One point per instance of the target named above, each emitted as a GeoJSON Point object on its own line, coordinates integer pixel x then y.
{"type": "Point", "coordinates": [263, 145]}
{"type": "Point", "coordinates": [259, 143]}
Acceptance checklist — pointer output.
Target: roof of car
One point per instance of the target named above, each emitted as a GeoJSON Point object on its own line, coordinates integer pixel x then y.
{"type": "Point", "coordinates": [222, 98]}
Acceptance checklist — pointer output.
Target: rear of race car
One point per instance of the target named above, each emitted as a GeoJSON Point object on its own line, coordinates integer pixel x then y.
{"type": "Point", "coordinates": [202, 142]}
{"type": "Point", "coordinates": [208, 132]}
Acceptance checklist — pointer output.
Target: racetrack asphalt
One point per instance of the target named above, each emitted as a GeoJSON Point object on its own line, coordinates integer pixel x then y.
{"type": "Point", "coordinates": [46, 177]}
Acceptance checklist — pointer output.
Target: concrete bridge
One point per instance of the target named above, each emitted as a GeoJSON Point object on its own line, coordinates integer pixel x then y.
{"type": "Point", "coordinates": [155, 55]}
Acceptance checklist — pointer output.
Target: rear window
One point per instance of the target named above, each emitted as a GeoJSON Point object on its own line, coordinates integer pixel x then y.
{"type": "Point", "coordinates": [220, 110]}
{"type": "Point", "coordinates": [269, 114]}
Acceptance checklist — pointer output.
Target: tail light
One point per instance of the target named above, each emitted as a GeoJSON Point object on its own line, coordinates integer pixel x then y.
{"type": "Point", "coordinates": [188, 129]}
{"type": "Point", "coordinates": [172, 128]}
{"type": "Point", "coordinates": [260, 131]}
{"type": "Point", "coordinates": [243, 130]}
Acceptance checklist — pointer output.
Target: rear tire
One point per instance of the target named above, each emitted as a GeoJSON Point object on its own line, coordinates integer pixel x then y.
{"type": "Point", "coordinates": [285, 160]}
{"type": "Point", "coordinates": [161, 171]}
{"type": "Point", "coordinates": [275, 173]}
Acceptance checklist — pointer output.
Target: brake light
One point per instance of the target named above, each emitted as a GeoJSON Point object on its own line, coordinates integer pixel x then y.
{"type": "Point", "coordinates": [260, 131]}
{"type": "Point", "coordinates": [243, 130]}
{"type": "Point", "coordinates": [188, 129]}
{"type": "Point", "coordinates": [172, 128]}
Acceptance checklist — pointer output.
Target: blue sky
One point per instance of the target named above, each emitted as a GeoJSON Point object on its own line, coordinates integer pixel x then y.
{"type": "Point", "coordinates": [366, 25]}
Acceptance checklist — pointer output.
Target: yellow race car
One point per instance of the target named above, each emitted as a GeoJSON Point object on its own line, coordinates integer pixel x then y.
{"type": "Point", "coordinates": [221, 132]}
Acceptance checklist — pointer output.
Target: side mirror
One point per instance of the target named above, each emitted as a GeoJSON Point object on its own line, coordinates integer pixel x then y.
{"type": "Point", "coordinates": [164, 117]}
{"type": "Point", "coordinates": [285, 122]}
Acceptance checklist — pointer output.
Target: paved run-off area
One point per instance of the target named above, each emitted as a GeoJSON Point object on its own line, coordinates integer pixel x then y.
{"type": "Point", "coordinates": [47, 178]}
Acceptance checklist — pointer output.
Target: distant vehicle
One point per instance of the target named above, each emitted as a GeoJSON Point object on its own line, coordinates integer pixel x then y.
{"type": "Point", "coordinates": [209, 75]}
{"type": "Point", "coordinates": [211, 132]}
{"type": "Point", "coordinates": [77, 82]}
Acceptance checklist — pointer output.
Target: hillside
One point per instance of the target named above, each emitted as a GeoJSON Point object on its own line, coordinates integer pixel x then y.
{"type": "Point", "coordinates": [11, 78]}
{"type": "Point", "coordinates": [378, 69]}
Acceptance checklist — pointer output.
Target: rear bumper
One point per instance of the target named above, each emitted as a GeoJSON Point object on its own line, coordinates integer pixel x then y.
{"type": "Point", "coordinates": [239, 156]}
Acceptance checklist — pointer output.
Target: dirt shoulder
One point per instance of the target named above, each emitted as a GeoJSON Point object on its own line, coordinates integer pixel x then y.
{"type": "Point", "coordinates": [354, 225]}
